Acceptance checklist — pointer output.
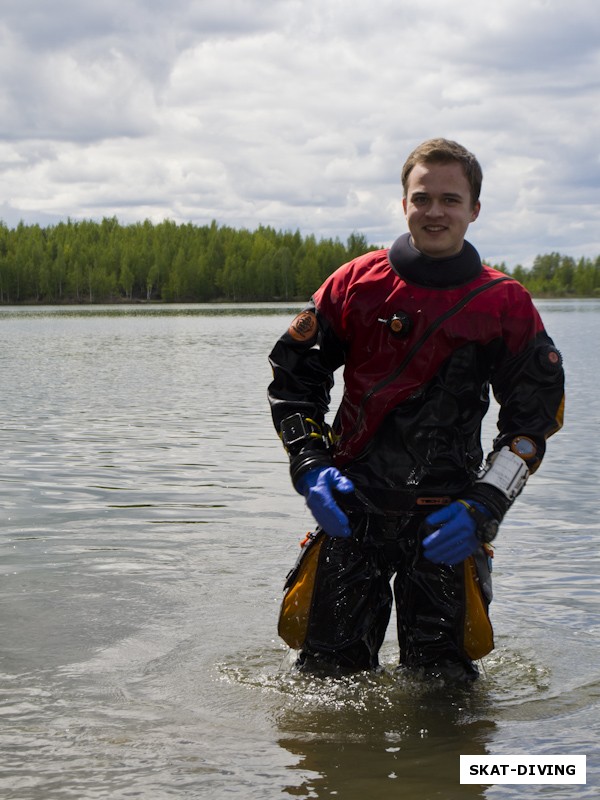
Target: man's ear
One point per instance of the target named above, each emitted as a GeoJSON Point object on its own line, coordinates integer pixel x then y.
{"type": "Point", "coordinates": [476, 210]}
{"type": "Point", "coordinates": [404, 205]}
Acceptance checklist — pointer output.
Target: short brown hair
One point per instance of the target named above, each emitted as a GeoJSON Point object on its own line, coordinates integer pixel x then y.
{"type": "Point", "coordinates": [444, 151]}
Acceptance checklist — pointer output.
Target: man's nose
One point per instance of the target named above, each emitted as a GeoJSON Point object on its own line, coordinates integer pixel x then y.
{"type": "Point", "coordinates": [436, 209]}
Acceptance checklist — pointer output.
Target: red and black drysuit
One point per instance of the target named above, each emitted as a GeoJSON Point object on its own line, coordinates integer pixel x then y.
{"type": "Point", "coordinates": [421, 341]}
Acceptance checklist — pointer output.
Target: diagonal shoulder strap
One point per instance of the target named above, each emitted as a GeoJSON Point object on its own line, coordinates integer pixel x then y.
{"type": "Point", "coordinates": [423, 338]}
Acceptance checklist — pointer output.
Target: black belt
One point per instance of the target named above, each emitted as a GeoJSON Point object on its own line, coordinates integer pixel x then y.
{"type": "Point", "coordinates": [391, 502]}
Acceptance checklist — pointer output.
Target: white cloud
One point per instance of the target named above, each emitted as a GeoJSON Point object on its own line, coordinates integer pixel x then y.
{"type": "Point", "coordinates": [300, 113]}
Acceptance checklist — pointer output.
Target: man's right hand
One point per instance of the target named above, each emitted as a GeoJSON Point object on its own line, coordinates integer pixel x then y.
{"type": "Point", "coordinates": [317, 486]}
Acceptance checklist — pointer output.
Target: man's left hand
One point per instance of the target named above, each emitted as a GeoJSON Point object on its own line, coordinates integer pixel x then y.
{"type": "Point", "coordinates": [455, 538]}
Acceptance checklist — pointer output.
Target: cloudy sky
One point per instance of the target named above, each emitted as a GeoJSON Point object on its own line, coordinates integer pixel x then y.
{"type": "Point", "coordinates": [299, 113]}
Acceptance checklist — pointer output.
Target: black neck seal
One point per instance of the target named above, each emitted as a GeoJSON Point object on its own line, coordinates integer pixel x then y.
{"type": "Point", "coordinates": [440, 273]}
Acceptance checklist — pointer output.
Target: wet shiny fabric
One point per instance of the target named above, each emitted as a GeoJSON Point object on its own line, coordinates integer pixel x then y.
{"type": "Point", "coordinates": [352, 598]}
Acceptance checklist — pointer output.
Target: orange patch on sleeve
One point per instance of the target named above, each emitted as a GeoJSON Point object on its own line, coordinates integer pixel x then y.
{"type": "Point", "coordinates": [304, 327]}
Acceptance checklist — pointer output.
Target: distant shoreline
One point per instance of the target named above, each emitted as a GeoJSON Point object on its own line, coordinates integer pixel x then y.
{"type": "Point", "coordinates": [81, 263]}
{"type": "Point", "coordinates": [294, 301]}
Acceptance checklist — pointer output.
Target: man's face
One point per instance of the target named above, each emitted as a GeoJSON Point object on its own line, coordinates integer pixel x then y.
{"type": "Point", "coordinates": [439, 208]}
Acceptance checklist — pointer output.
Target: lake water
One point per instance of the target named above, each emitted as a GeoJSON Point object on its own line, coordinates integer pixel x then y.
{"type": "Point", "coordinates": [147, 526]}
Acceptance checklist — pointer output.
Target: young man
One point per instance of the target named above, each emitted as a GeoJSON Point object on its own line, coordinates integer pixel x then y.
{"type": "Point", "coordinates": [397, 485]}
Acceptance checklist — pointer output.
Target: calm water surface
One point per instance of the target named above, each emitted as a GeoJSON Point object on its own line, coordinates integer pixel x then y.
{"type": "Point", "coordinates": [147, 526]}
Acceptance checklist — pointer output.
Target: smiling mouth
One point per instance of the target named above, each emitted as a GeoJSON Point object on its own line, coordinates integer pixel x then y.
{"type": "Point", "coordinates": [435, 228]}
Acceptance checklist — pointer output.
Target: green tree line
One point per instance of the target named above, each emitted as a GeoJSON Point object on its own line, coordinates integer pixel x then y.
{"type": "Point", "coordinates": [99, 262]}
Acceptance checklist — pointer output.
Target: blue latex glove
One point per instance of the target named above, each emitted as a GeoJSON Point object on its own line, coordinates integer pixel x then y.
{"type": "Point", "coordinates": [455, 538]}
{"type": "Point", "coordinates": [317, 486]}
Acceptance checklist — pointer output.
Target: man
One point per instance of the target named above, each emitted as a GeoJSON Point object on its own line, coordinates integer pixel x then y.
{"type": "Point", "coordinates": [397, 485]}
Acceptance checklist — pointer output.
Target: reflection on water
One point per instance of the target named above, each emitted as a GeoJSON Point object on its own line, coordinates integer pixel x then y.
{"type": "Point", "coordinates": [393, 744]}
{"type": "Point", "coordinates": [148, 524]}
{"type": "Point", "coordinates": [354, 735]}
{"type": "Point", "coordinates": [374, 736]}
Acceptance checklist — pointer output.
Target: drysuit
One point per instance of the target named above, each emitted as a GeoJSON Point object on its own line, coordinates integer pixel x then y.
{"type": "Point", "coordinates": [421, 341]}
